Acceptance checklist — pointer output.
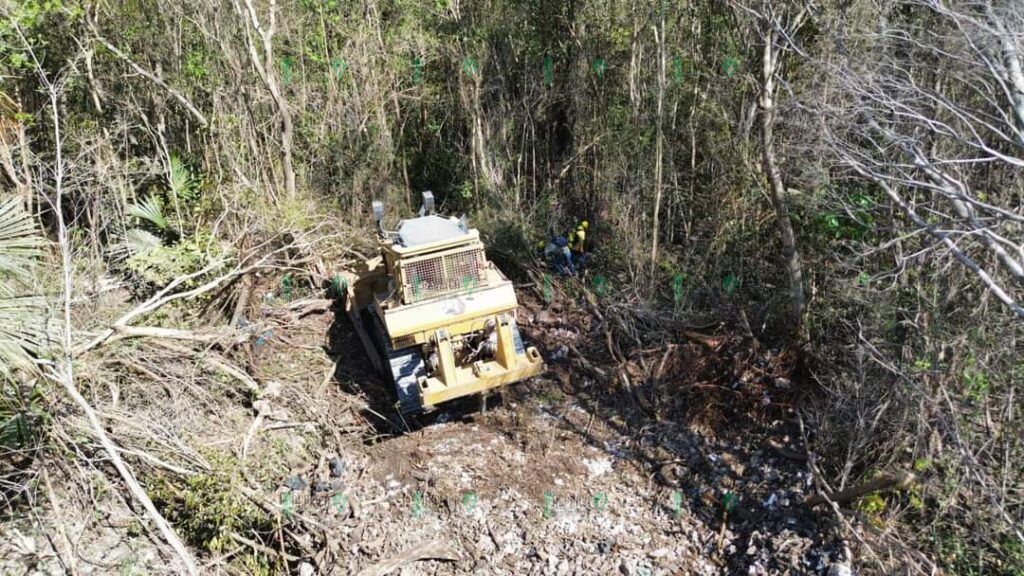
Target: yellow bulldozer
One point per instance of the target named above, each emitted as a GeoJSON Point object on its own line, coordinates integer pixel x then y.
{"type": "Point", "coordinates": [435, 316]}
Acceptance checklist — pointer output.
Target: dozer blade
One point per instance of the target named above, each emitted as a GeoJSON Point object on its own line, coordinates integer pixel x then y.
{"type": "Point", "coordinates": [452, 381]}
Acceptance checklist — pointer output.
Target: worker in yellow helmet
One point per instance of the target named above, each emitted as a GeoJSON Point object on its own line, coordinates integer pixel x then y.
{"type": "Point", "coordinates": [578, 244]}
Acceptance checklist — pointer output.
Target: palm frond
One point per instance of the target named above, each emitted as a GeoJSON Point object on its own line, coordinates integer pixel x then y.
{"type": "Point", "coordinates": [23, 415]}
{"type": "Point", "coordinates": [138, 241]}
{"type": "Point", "coordinates": [22, 331]}
{"type": "Point", "coordinates": [135, 241]}
{"type": "Point", "coordinates": [151, 211]}
{"type": "Point", "coordinates": [180, 180]}
{"type": "Point", "coordinates": [20, 242]}
{"type": "Point", "coordinates": [22, 317]}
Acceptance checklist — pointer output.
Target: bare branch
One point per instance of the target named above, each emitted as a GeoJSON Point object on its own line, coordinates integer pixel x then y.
{"type": "Point", "coordinates": [199, 116]}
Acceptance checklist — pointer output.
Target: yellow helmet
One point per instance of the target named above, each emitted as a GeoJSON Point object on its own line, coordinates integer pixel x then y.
{"type": "Point", "coordinates": [585, 224]}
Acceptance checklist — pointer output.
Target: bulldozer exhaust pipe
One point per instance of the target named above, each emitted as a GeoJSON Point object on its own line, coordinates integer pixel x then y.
{"type": "Point", "coordinates": [378, 215]}
{"type": "Point", "coordinates": [428, 203]}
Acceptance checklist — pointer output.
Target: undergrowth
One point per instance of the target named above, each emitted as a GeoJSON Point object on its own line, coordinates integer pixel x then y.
{"type": "Point", "coordinates": [207, 509]}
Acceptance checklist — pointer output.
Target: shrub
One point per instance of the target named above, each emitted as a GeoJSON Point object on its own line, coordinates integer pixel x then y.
{"type": "Point", "coordinates": [206, 508]}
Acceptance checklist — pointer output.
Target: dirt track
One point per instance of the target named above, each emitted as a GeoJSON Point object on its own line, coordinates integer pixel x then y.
{"type": "Point", "coordinates": [569, 474]}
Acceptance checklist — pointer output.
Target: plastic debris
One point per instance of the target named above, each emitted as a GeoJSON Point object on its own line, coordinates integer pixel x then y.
{"type": "Point", "coordinates": [337, 466]}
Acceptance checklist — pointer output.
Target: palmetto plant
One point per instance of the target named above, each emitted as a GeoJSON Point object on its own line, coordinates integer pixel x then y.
{"type": "Point", "coordinates": [140, 241]}
{"type": "Point", "coordinates": [160, 246]}
{"type": "Point", "coordinates": [182, 187]}
{"type": "Point", "coordinates": [151, 211]}
{"type": "Point", "coordinates": [22, 322]}
{"type": "Point", "coordinates": [22, 308]}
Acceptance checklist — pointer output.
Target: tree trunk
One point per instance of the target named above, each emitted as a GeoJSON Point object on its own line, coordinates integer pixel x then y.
{"type": "Point", "coordinates": [659, 36]}
{"type": "Point", "coordinates": [770, 64]}
{"type": "Point", "coordinates": [265, 69]}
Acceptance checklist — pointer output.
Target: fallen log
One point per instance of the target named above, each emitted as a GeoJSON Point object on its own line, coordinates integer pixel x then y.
{"type": "Point", "coordinates": [215, 361]}
{"type": "Point", "coordinates": [243, 300]}
{"type": "Point", "coordinates": [428, 550]}
{"type": "Point", "coordinates": [309, 306]}
{"type": "Point", "coordinates": [785, 452]}
{"type": "Point", "coordinates": [880, 483]}
{"type": "Point", "coordinates": [709, 341]}
{"type": "Point", "coordinates": [207, 337]}
{"type": "Point", "coordinates": [587, 364]}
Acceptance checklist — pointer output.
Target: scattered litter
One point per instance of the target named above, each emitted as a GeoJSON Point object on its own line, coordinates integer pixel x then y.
{"type": "Point", "coordinates": [264, 337]}
{"type": "Point", "coordinates": [598, 467]}
{"type": "Point", "coordinates": [295, 483]}
{"type": "Point", "coordinates": [839, 569]}
{"type": "Point", "coordinates": [562, 333]}
{"type": "Point", "coordinates": [658, 482]}
{"type": "Point", "coordinates": [271, 390]}
{"type": "Point", "coordinates": [543, 317]}
{"type": "Point", "coordinates": [561, 353]}
{"type": "Point", "coordinates": [337, 466]}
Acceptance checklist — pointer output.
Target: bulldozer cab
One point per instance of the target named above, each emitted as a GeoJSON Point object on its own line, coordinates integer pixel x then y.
{"type": "Point", "coordinates": [432, 256]}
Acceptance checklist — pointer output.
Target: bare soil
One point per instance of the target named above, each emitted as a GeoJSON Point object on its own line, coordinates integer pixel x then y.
{"type": "Point", "coordinates": [677, 458]}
